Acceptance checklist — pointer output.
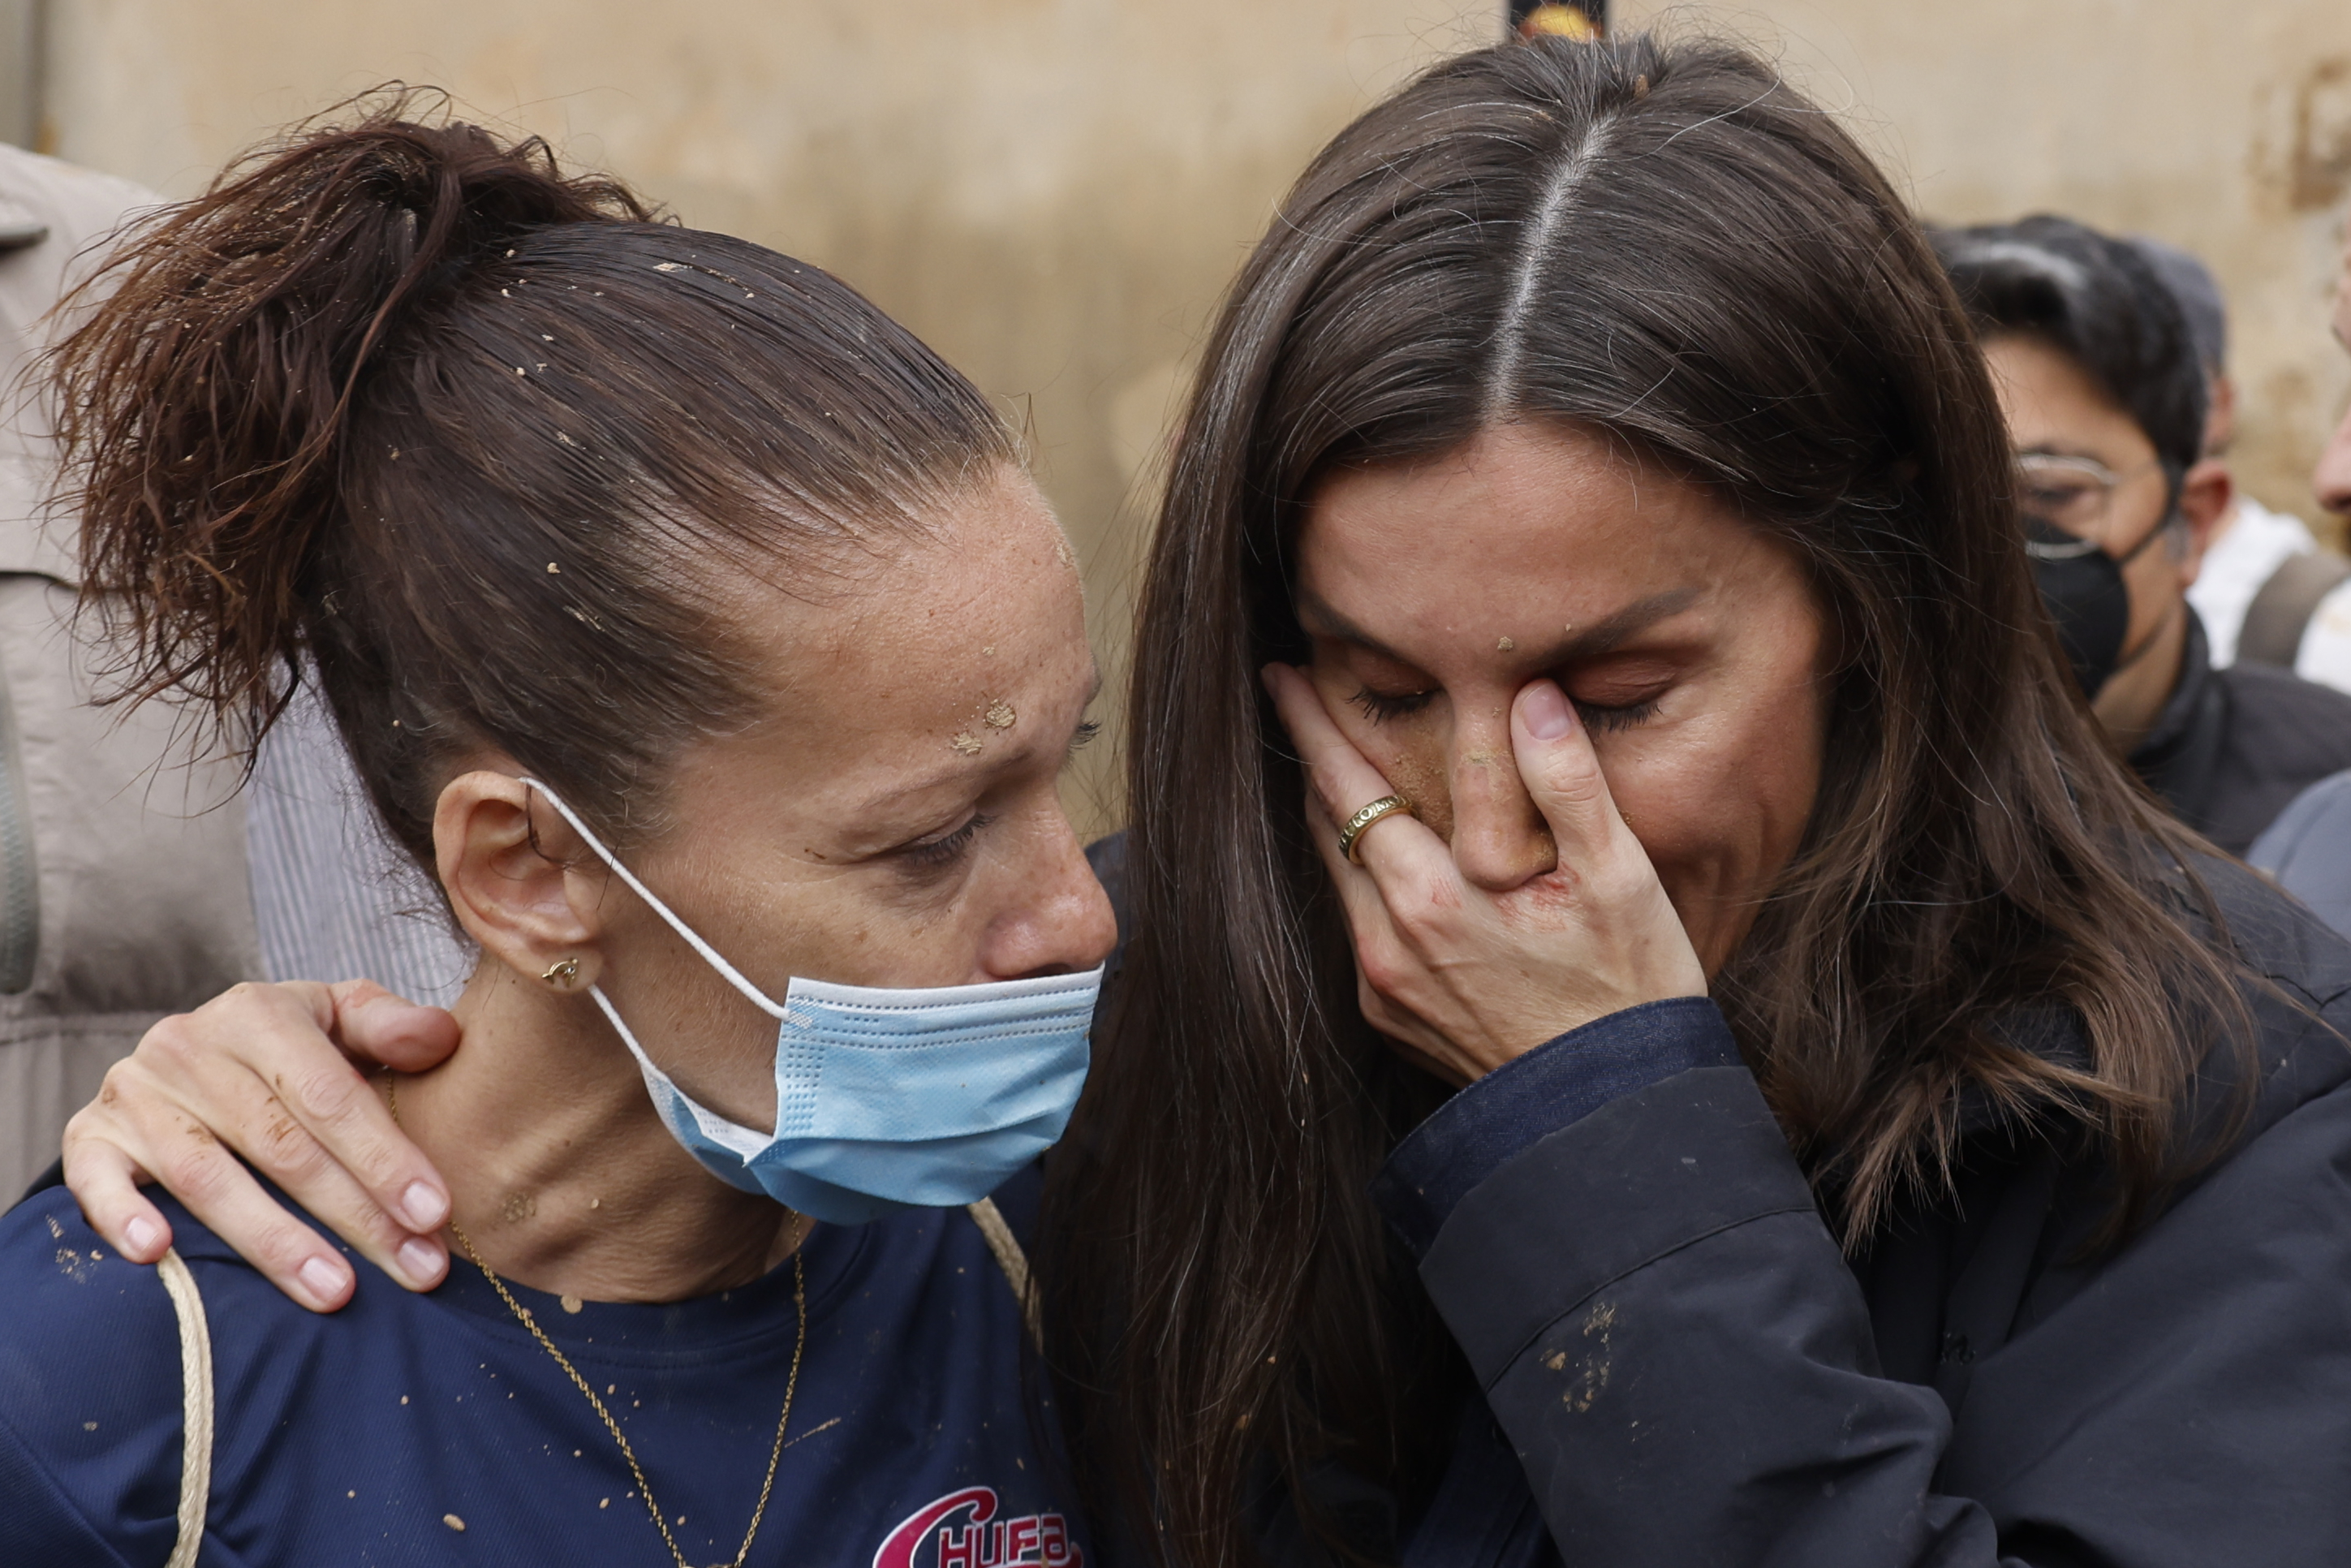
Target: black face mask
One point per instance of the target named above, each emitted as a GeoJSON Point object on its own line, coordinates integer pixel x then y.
{"type": "Point", "coordinates": [2084, 590]}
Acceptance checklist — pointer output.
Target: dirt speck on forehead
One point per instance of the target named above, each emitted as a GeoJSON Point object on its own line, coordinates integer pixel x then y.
{"type": "Point", "coordinates": [1506, 645]}
{"type": "Point", "coordinates": [966, 742]}
{"type": "Point", "coordinates": [1000, 715]}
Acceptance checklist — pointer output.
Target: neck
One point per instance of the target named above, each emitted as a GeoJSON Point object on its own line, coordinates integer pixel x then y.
{"type": "Point", "coordinates": [561, 1172]}
{"type": "Point", "coordinates": [2134, 696]}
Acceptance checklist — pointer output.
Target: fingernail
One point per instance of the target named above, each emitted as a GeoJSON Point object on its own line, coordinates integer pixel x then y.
{"type": "Point", "coordinates": [1265, 676]}
{"type": "Point", "coordinates": [424, 1207]}
{"type": "Point", "coordinates": [144, 1235]}
{"type": "Point", "coordinates": [420, 1260]}
{"type": "Point", "coordinates": [1548, 713]}
{"type": "Point", "coordinates": [322, 1278]}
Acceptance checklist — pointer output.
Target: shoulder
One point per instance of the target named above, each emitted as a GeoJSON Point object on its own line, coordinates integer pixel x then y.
{"type": "Point", "coordinates": [89, 1391]}
{"type": "Point", "coordinates": [2294, 718]}
{"type": "Point", "coordinates": [2273, 934]}
{"type": "Point", "coordinates": [2299, 994]}
{"type": "Point", "coordinates": [66, 1298]}
{"type": "Point", "coordinates": [2308, 849]}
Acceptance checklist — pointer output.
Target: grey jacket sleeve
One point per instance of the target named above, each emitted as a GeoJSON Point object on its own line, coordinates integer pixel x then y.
{"type": "Point", "coordinates": [1686, 1366]}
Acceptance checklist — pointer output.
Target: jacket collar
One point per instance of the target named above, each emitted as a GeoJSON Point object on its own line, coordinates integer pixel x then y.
{"type": "Point", "coordinates": [2180, 756]}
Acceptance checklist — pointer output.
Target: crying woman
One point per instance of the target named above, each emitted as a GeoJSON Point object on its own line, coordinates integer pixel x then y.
{"type": "Point", "coordinates": [698, 629]}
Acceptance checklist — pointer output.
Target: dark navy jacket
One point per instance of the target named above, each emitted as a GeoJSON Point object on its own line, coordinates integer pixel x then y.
{"type": "Point", "coordinates": [2232, 746]}
{"type": "Point", "coordinates": [1680, 1368]}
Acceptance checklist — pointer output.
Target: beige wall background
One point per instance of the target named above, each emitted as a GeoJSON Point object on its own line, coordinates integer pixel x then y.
{"type": "Point", "coordinates": [1055, 191]}
{"type": "Point", "coordinates": [2222, 128]}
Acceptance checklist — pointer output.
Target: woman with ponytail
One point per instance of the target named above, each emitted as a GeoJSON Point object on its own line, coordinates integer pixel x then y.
{"type": "Point", "coordinates": [699, 630]}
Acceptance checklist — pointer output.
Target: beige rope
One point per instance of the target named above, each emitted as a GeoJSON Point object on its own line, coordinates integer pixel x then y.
{"type": "Point", "coordinates": [196, 1407]}
{"type": "Point", "coordinates": [1012, 1260]}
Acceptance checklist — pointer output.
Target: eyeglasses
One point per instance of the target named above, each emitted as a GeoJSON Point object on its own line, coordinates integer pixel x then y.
{"type": "Point", "coordinates": [2071, 500]}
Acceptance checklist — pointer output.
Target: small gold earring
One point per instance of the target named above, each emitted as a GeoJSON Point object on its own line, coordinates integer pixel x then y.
{"type": "Point", "coordinates": [561, 973]}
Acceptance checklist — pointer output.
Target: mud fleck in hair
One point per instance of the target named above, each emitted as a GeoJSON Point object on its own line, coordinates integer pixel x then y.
{"type": "Point", "coordinates": [478, 446]}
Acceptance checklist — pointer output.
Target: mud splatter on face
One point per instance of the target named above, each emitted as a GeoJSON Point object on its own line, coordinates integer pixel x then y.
{"type": "Point", "coordinates": [1423, 782]}
{"type": "Point", "coordinates": [1506, 645]}
{"type": "Point", "coordinates": [1000, 715]}
{"type": "Point", "coordinates": [966, 742]}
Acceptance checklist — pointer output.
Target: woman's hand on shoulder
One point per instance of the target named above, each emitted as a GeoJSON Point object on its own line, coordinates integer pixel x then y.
{"type": "Point", "coordinates": [272, 1072]}
{"type": "Point", "coordinates": [1468, 980]}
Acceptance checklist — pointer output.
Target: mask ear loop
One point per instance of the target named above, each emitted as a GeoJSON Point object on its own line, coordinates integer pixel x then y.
{"type": "Point", "coordinates": [734, 976]}
{"type": "Point", "coordinates": [2174, 524]}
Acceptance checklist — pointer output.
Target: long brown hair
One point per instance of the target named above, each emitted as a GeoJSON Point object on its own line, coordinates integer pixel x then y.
{"type": "Point", "coordinates": [475, 443]}
{"type": "Point", "coordinates": [1666, 244]}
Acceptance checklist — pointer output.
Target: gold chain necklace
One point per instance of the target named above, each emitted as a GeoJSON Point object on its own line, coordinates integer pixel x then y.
{"type": "Point", "coordinates": [644, 1488]}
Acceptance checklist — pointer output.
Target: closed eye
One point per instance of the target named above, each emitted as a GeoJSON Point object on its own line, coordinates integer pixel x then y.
{"type": "Point", "coordinates": [1380, 706]}
{"type": "Point", "coordinates": [1625, 716]}
{"type": "Point", "coordinates": [937, 854]}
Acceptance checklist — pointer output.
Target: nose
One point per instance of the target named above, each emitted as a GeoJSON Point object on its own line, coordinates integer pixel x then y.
{"type": "Point", "coordinates": [1500, 840]}
{"type": "Point", "coordinates": [2332, 478]}
{"type": "Point", "coordinates": [1057, 918]}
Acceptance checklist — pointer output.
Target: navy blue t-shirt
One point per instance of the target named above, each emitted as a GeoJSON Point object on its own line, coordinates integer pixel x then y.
{"type": "Point", "coordinates": [433, 1429]}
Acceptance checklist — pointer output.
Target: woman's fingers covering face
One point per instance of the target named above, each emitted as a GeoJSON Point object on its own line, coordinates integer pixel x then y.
{"type": "Point", "coordinates": [1561, 773]}
{"type": "Point", "coordinates": [1344, 781]}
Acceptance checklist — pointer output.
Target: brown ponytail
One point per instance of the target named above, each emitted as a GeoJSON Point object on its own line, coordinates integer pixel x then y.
{"type": "Point", "coordinates": [409, 411]}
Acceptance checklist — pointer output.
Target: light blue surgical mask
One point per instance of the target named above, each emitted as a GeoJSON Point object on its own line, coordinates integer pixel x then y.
{"type": "Point", "coordinates": [886, 1100]}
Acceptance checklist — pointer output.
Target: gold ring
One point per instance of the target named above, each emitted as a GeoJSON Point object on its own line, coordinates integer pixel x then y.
{"type": "Point", "coordinates": [1353, 833]}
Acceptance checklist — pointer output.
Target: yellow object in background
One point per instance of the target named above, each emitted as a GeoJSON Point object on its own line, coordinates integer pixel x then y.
{"type": "Point", "coordinates": [1558, 21]}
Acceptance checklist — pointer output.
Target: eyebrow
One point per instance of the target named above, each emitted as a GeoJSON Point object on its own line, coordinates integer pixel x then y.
{"type": "Point", "coordinates": [1601, 636]}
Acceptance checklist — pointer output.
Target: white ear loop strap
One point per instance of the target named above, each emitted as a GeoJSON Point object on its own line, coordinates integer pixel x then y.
{"type": "Point", "coordinates": [757, 998]}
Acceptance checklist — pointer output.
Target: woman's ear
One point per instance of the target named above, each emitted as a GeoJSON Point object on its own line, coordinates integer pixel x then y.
{"type": "Point", "coordinates": [511, 882]}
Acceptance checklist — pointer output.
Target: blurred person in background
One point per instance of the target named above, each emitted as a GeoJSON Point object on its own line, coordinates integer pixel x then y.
{"type": "Point", "coordinates": [2308, 848]}
{"type": "Point", "coordinates": [2332, 478]}
{"type": "Point", "coordinates": [134, 881]}
{"type": "Point", "coordinates": [122, 886]}
{"type": "Point", "coordinates": [2105, 396]}
{"type": "Point", "coordinates": [1653, 1027]}
{"type": "Point", "coordinates": [2255, 560]}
